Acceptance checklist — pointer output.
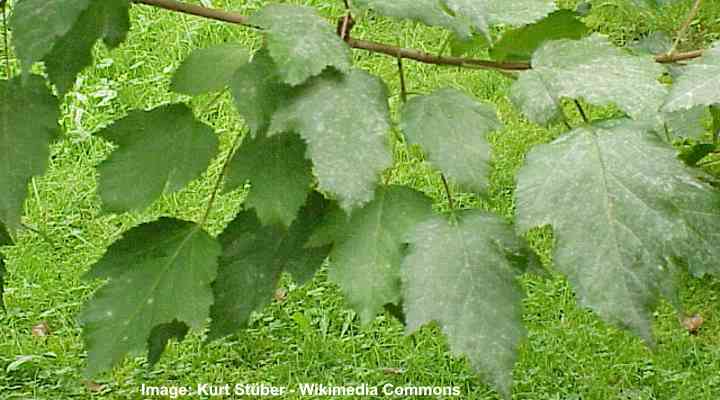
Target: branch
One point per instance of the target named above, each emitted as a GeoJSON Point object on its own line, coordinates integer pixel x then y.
{"type": "Point", "coordinates": [381, 48]}
{"type": "Point", "coordinates": [683, 30]}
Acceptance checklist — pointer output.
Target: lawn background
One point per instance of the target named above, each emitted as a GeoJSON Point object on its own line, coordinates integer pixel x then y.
{"type": "Point", "coordinates": [312, 336]}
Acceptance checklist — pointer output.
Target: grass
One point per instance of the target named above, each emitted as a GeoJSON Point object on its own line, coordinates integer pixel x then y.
{"type": "Point", "coordinates": [312, 336]}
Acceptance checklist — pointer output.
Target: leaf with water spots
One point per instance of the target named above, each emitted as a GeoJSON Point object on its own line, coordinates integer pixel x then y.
{"type": "Point", "coordinates": [463, 275]}
{"type": "Point", "coordinates": [593, 69]}
{"type": "Point", "coordinates": [159, 272]}
{"type": "Point", "coordinates": [209, 69]}
{"type": "Point", "coordinates": [254, 256]}
{"type": "Point", "coordinates": [698, 83]}
{"type": "Point", "coordinates": [621, 205]}
{"type": "Point", "coordinates": [368, 248]}
{"type": "Point", "coordinates": [452, 128]}
{"type": "Point", "coordinates": [159, 152]}
{"type": "Point", "coordinates": [279, 173]}
{"type": "Point", "coordinates": [345, 121]}
{"type": "Point", "coordinates": [29, 116]}
{"type": "Point", "coordinates": [301, 42]}
{"type": "Point", "coordinates": [63, 32]}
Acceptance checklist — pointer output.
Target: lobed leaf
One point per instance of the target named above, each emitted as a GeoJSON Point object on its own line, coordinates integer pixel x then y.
{"type": "Point", "coordinates": [482, 14]}
{"type": "Point", "coordinates": [279, 173]}
{"type": "Point", "coordinates": [621, 205]}
{"type": "Point", "coordinates": [252, 259]}
{"type": "Point", "coordinates": [209, 69]}
{"type": "Point", "coordinates": [462, 16]}
{"type": "Point", "coordinates": [594, 69]}
{"type": "Point", "coordinates": [344, 120]}
{"type": "Point", "coordinates": [520, 44]}
{"type": "Point", "coordinates": [29, 116]}
{"type": "Point", "coordinates": [159, 151]}
{"type": "Point", "coordinates": [428, 12]}
{"type": "Point", "coordinates": [463, 275]}
{"type": "Point", "coordinates": [452, 127]}
{"type": "Point", "coordinates": [161, 335]}
{"type": "Point", "coordinates": [698, 84]}
{"type": "Point", "coordinates": [158, 273]}
{"type": "Point", "coordinates": [368, 248]}
{"type": "Point", "coordinates": [258, 91]}
{"type": "Point", "coordinates": [62, 33]}
{"type": "Point", "coordinates": [301, 42]}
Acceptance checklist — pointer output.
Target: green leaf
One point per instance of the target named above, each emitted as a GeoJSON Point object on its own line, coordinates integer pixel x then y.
{"type": "Point", "coordinates": [63, 32]}
{"type": "Point", "coordinates": [209, 70]}
{"type": "Point", "coordinates": [157, 273]}
{"type": "Point", "coordinates": [258, 91]}
{"type": "Point", "coordinates": [652, 44]}
{"type": "Point", "coordinates": [482, 14]}
{"type": "Point", "coordinates": [686, 123]}
{"type": "Point", "coordinates": [520, 44]}
{"type": "Point", "coordinates": [369, 248]}
{"type": "Point", "coordinates": [5, 240]}
{"type": "Point", "coordinates": [159, 151]}
{"type": "Point", "coordinates": [621, 205]}
{"type": "Point", "coordinates": [460, 46]}
{"type": "Point", "coordinates": [301, 42]}
{"type": "Point", "coordinates": [594, 69]}
{"type": "Point", "coordinates": [428, 12]}
{"type": "Point", "coordinates": [715, 113]}
{"type": "Point", "coordinates": [536, 97]}
{"type": "Point", "coordinates": [452, 127]}
{"type": "Point", "coordinates": [161, 335]}
{"type": "Point", "coordinates": [29, 116]}
{"type": "Point", "coordinates": [344, 120]}
{"type": "Point", "coordinates": [252, 259]}
{"type": "Point", "coordinates": [699, 83]}
{"type": "Point", "coordinates": [460, 275]}
{"type": "Point", "coordinates": [279, 173]}
{"type": "Point", "coordinates": [693, 154]}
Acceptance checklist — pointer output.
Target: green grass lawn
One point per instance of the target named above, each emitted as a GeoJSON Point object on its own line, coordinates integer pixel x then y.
{"type": "Point", "coordinates": [312, 335]}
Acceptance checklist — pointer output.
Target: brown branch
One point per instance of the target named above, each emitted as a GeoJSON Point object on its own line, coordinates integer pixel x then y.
{"type": "Point", "coordinates": [381, 48]}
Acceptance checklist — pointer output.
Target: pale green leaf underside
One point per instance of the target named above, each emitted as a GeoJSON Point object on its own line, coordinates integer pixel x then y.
{"type": "Point", "coordinates": [209, 70]}
{"type": "Point", "coordinates": [451, 127]}
{"type": "Point", "coordinates": [29, 116]}
{"type": "Point", "coordinates": [345, 121]}
{"type": "Point", "coordinates": [63, 32]}
{"type": "Point", "coordinates": [593, 69]}
{"type": "Point", "coordinates": [258, 91]}
{"type": "Point", "coordinates": [460, 275]}
{"type": "Point", "coordinates": [698, 84]}
{"type": "Point", "coordinates": [253, 258]}
{"type": "Point", "coordinates": [159, 152]}
{"type": "Point", "coordinates": [279, 173]}
{"type": "Point", "coordinates": [462, 16]}
{"type": "Point", "coordinates": [157, 273]}
{"type": "Point", "coordinates": [301, 42]}
{"type": "Point", "coordinates": [483, 14]}
{"type": "Point", "coordinates": [621, 204]}
{"type": "Point", "coordinates": [534, 94]}
{"type": "Point", "coordinates": [368, 249]}
{"type": "Point", "coordinates": [428, 12]}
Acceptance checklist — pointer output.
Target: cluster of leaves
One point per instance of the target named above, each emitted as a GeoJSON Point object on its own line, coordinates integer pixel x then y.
{"type": "Point", "coordinates": [626, 212]}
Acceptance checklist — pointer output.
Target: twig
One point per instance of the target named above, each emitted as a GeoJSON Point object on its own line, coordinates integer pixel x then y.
{"type": "Point", "coordinates": [219, 181]}
{"type": "Point", "coordinates": [683, 30]}
{"type": "Point", "coordinates": [381, 48]}
{"type": "Point", "coordinates": [582, 111]}
{"type": "Point", "coordinates": [403, 86]}
{"type": "Point", "coordinates": [451, 201]}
